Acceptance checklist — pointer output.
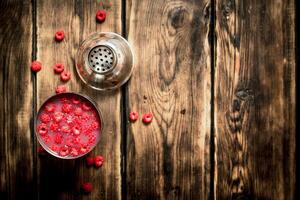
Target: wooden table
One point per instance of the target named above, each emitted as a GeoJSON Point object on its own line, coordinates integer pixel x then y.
{"type": "Point", "coordinates": [219, 77]}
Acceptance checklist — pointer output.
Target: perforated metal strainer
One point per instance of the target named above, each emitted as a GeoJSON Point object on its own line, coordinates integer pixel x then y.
{"type": "Point", "coordinates": [104, 61]}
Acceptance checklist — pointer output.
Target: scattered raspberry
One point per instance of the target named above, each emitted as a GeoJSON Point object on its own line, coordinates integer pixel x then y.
{"type": "Point", "coordinates": [50, 107]}
{"type": "Point", "coordinates": [45, 118]}
{"type": "Point", "coordinates": [36, 66]}
{"type": "Point", "coordinates": [59, 36]}
{"type": "Point", "coordinates": [87, 187]}
{"type": "Point", "coordinates": [64, 151]}
{"type": "Point", "coordinates": [41, 151]}
{"type": "Point", "coordinates": [90, 161]}
{"type": "Point", "coordinates": [99, 161]}
{"type": "Point", "coordinates": [147, 118]}
{"type": "Point", "coordinates": [42, 129]}
{"type": "Point", "coordinates": [58, 116]}
{"type": "Point", "coordinates": [58, 68]}
{"type": "Point", "coordinates": [65, 76]}
{"type": "Point", "coordinates": [67, 108]}
{"type": "Point", "coordinates": [100, 16]}
{"type": "Point", "coordinates": [133, 116]}
{"type": "Point", "coordinates": [61, 89]}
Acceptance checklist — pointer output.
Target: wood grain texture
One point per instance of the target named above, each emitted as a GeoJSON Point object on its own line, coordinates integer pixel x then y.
{"type": "Point", "coordinates": [16, 155]}
{"type": "Point", "coordinates": [77, 19]}
{"type": "Point", "coordinates": [255, 99]}
{"type": "Point", "coordinates": [170, 158]}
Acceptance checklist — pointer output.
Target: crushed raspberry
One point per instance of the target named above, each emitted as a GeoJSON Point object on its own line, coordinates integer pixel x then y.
{"type": "Point", "coordinates": [59, 36]}
{"type": "Point", "coordinates": [61, 89]}
{"type": "Point", "coordinates": [99, 161]}
{"type": "Point", "coordinates": [87, 187]}
{"type": "Point", "coordinates": [58, 68]}
{"type": "Point", "coordinates": [42, 129]}
{"type": "Point", "coordinates": [58, 139]}
{"type": "Point", "coordinates": [78, 111]}
{"type": "Point", "coordinates": [86, 106]}
{"type": "Point", "coordinates": [54, 147]}
{"type": "Point", "coordinates": [74, 152]}
{"type": "Point", "coordinates": [101, 16]}
{"type": "Point", "coordinates": [133, 116]}
{"type": "Point", "coordinates": [89, 161]}
{"type": "Point", "coordinates": [75, 100]}
{"type": "Point", "coordinates": [58, 116]}
{"type": "Point", "coordinates": [66, 108]}
{"type": "Point", "coordinates": [147, 118]}
{"type": "Point", "coordinates": [64, 151]}
{"type": "Point", "coordinates": [36, 66]}
{"type": "Point", "coordinates": [54, 127]}
{"type": "Point", "coordinates": [65, 76]}
{"type": "Point", "coordinates": [50, 107]}
{"type": "Point", "coordinates": [65, 129]}
{"type": "Point", "coordinates": [76, 130]}
{"type": "Point", "coordinates": [45, 118]}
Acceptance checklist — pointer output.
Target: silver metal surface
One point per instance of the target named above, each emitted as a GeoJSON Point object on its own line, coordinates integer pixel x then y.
{"type": "Point", "coordinates": [101, 59]}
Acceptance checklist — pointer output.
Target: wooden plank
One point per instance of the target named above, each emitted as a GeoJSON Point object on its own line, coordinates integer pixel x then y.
{"type": "Point", "coordinates": [170, 158]}
{"type": "Point", "coordinates": [16, 95]}
{"type": "Point", "coordinates": [77, 19]}
{"type": "Point", "coordinates": [255, 99]}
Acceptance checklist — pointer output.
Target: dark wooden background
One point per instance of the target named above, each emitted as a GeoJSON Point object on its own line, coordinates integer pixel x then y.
{"type": "Point", "coordinates": [218, 75]}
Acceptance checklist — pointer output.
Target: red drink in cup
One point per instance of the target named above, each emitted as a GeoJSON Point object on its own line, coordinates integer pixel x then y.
{"type": "Point", "coordinates": [68, 125]}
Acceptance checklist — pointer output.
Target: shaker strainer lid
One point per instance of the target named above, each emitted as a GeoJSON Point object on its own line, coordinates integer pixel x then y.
{"type": "Point", "coordinates": [104, 61]}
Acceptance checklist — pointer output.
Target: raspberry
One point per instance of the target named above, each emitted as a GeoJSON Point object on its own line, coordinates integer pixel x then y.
{"type": "Point", "coordinates": [59, 36]}
{"type": "Point", "coordinates": [84, 148]}
{"type": "Point", "coordinates": [54, 126]}
{"type": "Point", "coordinates": [67, 108]}
{"type": "Point", "coordinates": [74, 152]}
{"type": "Point", "coordinates": [46, 139]}
{"type": "Point", "coordinates": [45, 118]}
{"type": "Point", "coordinates": [58, 139]}
{"type": "Point", "coordinates": [76, 100]}
{"type": "Point", "coordinates": [76, 130]}
{"type": "Point", "coordinates": [64, 151]}
{"type": "Point", "coordinates": [36, 66]}
{"type": "Point", "coordinates": [76, 140]}
{"type": "Point", "coordinates": [41, 151]}
{"type": "Point", "coordinates": [100, 16]}
{"type": "Point", "coordinates": [65, 129]}
{"type": "Point", "coordinates": [54, 147]}
{"type": "Point", "coordinates": [78, 111]}
{"type": "Point", "coordinates": [61, 89]}
{"type": "Point", "coordinates": [58, 68]}
{"type": "Point", "coordinates": [147, 118]}
{"type": "Point", "coordinates": [133, 116]}
{"type": "Point", "coordinates": [50, 107]}
{"type": "Point", "coordinates": [95, 125]}
{"type": "Point", "coordinates": [58, 116]}
{"type": "Point", "coordinates": [87, 187]}
{"type": "Point", "coordinates": [69, 142]}
{"type": "Point", "coordinates": [65, 76]}
{"type": "Point", "coordinates": [99, 161]}
{"type": "Point", "coordinates": [86, 106]}
{"type": "Point", "coordinates": [42, 129]}
{"type": "Point", "coordinates": [89, 161]}
{"type": "Point", "coordinates": [92, 139]}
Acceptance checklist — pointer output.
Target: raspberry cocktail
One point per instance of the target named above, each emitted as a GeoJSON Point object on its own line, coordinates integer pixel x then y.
{"type": "Point", "coordinates": [68, 125]}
